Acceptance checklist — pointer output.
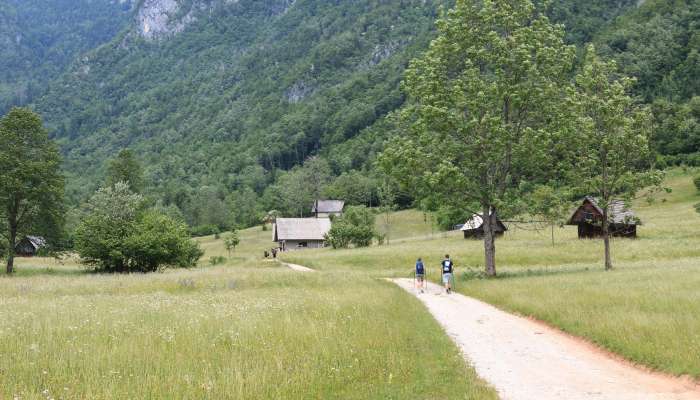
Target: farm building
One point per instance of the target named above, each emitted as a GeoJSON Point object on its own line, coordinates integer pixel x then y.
{"type": "Point", "coordinates": [29, 246]}
{"type": "Point", "coordinates": [327, 208]}
{"type": "Point", "coordinates": [300, 233]}
{"type": "Point", "coordinates": [589, 216]}
{"type": "Point", "coordinates": [474, 227]}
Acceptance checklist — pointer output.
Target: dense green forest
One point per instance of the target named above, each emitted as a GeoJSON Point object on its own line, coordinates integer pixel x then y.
{"type": "Point", "coordinates": [659, 44]}
{"type": "Point", "coordinates": [222, 102]}
{"type": "Point", "coordinates": [39, 39]}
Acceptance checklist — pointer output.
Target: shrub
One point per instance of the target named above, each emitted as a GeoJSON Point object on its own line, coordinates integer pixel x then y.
{"type": "Point", "coordinates": [216, 260]}
{"type": "Point", "coordinates": [116, 235]}
{"type": "Point", "coordinates": [231, 241]}
{"type": "Point", "coordinates": [355, 227]}
{"type": "Point", "coordinates": [159, 241]}
{"type": "Point", "coordinates": [697, 182]}
{"type": "Point", "coordinates": [339, 237]}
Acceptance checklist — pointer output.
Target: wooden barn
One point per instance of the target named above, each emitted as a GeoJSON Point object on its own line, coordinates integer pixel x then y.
{"type": "Point", "coordinates": [328, 208]}
{"type": "Point", "coordinates": [589, 219]}
{"type": "Point", "coordinates": [300, 233]}
{"type": "Point", "coordinates": [474, 227]}
{"type": "Point", "coordinates": [29, 246]}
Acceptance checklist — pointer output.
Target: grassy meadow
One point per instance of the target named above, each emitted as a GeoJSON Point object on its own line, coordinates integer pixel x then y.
{"type": "Point", "coordinates": [647, 309]}
{"type": "Point", "coordinates": [248, 329]}
{"type": "Point", "coordinates": [252, 329]}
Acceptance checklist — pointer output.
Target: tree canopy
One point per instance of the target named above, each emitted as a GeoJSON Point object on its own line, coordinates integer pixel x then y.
{"type": "Point", "coordinates": [485, 109]}
{"type": "Point", "coordinates": [117, 234]}
{"type": "Point", "coordinates": [126, 168]}
{"type": "Point", "coordinates": [612, 160]}
{"type": "Point", "coordinates": [31, 184]}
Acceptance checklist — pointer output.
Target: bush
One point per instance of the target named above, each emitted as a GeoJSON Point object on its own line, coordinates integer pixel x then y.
{"type": "Point", "coordinates": [697, 182]}
{"type": "Point", "coordinates": [159, 241]}
{"type": "Point", "coordinates": [117, 236]}
{"type": "Point", "coordinates": [340, 236]}
{"type": "Point", "coordinates": [355, 227]}
{"type": "Point", "coordinates": [217, 260]}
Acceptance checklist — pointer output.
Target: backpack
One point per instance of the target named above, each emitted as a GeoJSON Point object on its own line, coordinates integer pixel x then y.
{"type": "Point", "coordinates": [447, 266]}
{"type": "Point", "coordinates": [420, 268]}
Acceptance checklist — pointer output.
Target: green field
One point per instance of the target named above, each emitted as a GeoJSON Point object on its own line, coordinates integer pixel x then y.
{"type": "Point", "coordinates": [252, 329]}
{"type": "Point", "coordinates": [249, 329]}
{"type": "Point", "coordinates": [647, 309]}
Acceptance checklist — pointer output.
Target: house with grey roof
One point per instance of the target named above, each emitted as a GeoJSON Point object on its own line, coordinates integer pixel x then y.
{"type": "Point", "coordinates": [300, 233]}
{"type": "Point", "coordinates": [622, 222]}
{"type": "Point", "coordinates": [328, 208]}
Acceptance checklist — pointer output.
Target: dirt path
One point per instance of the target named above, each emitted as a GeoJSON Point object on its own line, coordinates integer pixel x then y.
{"type": "Point", "coordinates": [298, 268]}
{"type": "Point", "coordinates": [525, 360]}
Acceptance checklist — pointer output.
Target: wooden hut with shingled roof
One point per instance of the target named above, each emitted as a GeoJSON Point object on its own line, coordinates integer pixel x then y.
{"type": "Point", "coordinates": [589, 219]}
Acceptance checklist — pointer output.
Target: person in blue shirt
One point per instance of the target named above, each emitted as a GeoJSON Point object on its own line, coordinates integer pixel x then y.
{"type": "Point", "coordinates": [447, 269]}
{"type": "Point", "coordinates": [420, 275]}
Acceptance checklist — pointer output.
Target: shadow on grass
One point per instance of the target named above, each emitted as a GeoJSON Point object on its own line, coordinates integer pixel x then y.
{"type": "Point", "coordinates": [479, 274]}
{"type": "Point", "coordinates": [24, 272]}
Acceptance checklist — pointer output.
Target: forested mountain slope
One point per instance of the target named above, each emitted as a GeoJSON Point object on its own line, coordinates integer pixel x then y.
{"type": "Point", "coordinates": [218, 86]}
{"type": "Point", "coordinates": [659, 44]}
{"type": "Point", "coordinates": [40, 38]}
{"type": "Point", "coordinates": [224, 95]}
{"type": "Point", "coordinates": [204, 90]}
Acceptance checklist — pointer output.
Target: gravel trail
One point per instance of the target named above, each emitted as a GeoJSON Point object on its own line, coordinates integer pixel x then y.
{"type": "Point", "coordinates": [298, 268]}
{"type": "Point", "coordinates": [526, 360]}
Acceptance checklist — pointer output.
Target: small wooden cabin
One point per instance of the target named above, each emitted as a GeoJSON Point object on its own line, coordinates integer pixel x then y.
{"type": "Point", "coordinates": [589, 219]}
{"type": "Point", "coordinates": [29, 246]}
{"type": "Point", "coordinates": [300, 233]}
{"type": "Point", "coordinates": [474, 227]}
{"type": "Point", "coordinates": [328, 208]}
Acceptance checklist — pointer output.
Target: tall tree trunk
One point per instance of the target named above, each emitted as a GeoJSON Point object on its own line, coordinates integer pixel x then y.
{"type": "Point", "coordinates": [488, 217]}
{"type": "Point", "coordinates": [606, 239]}
{"type": "Point", "coordinates": [11, 242]}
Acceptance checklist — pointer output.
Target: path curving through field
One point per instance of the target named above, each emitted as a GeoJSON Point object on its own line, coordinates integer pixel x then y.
{"type": "Point", "coordinates": [525, 360]}
{"type": "Point", "coordinates": [298, 268]}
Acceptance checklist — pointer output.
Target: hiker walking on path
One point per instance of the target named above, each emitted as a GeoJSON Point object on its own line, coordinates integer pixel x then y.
{"type": "Point", "coordinates": [420, 275]}
{"type": "Point", "coordinates": [447, 269]}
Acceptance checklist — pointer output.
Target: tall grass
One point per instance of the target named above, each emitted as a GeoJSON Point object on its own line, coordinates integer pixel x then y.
{"type": "Point", "coordinates": [647, 310]}
{"type": "Point", "coordinates": [247, 330]}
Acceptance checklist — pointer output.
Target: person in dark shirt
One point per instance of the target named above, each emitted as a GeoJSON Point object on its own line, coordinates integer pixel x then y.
{"type": "Point", "coordinates": [447, 269]}
{"type": "Point", "coordinates": [420, 275]}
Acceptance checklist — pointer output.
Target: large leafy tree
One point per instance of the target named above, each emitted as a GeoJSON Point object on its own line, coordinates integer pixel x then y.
{"type": "Point", "coordinates": [484, 106]}
{"type": "Point", "coordinates": [612, 139]}
{"type": "Point", "coordinates": [31, 184]}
